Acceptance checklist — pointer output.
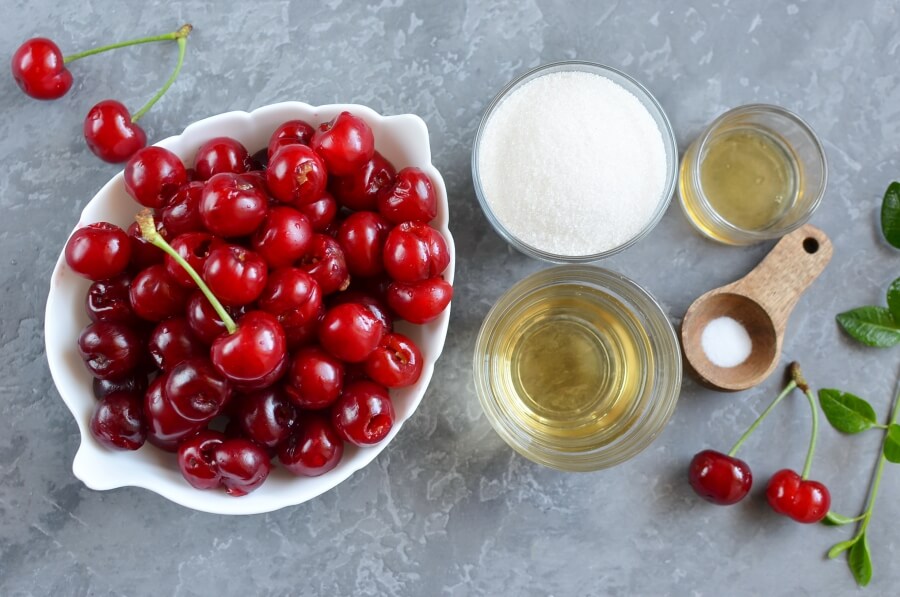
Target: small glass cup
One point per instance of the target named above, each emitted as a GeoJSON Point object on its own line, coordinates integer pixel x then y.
{"type": "Point", "coordinates": [803, 152]}
{"type": "Point", "coordinates": [570, 443]}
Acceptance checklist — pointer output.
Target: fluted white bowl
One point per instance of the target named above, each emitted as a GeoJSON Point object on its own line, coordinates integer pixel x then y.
{"type": "Point", "coordinates": [403, 140]}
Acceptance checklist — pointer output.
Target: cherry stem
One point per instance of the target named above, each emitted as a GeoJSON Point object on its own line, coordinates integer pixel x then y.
{"type": "Point", "coordinates": [182, 46]}
{"type": "Point", "coordinates": [787, 390]}
{"type": "Point", "coordinates": [807, 465]}
{"type": "Point", "coordinates": [876, 482]}
{"type": "Point", "coordinates": [182, 32]}
{"type": "Point", "coordinates": [150, 234]}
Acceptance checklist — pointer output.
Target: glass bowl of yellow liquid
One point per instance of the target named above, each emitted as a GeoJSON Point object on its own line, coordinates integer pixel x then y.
{"type": "Point", "coordinates": [577, 368]}
{"type": "Point", "coordinates": [756, 173]}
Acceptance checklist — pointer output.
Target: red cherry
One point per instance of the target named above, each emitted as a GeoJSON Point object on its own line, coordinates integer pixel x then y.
{"type": "Point", "coordinates": [291, 132]}
{"type": "Point", "coordinates": [363, 415]}
{"type": "Point", "coordinates": [351, 332]}
{"type": "Point", "coordinates": [110, 134]}
{"type": "Point", "coordinates": [135, 383]}
{"type": "Point", "coordinates": [98, 251]}
{"type": "Point", "coordinates": [362, 237]}
{"type": "Point", "coordinates": [196, 391]}
{"type": "Point", "coordinates": [266, 416]}
{"type": "Point", "coordinates": [797, 498]}
{"type": "Point", "coordinates": [284, 237]}
{"type": "Point", "coordinates": [411, 198]}
{"type": "Point", "coordinates": [236, 275]}
{"type": "Point", "coordinates": [232, 206]}
{"type": "Point", "coordinates": [313, 449]}
{"type": "Point", "coordinates": [345, 143]}
{"type": "Point", "coordinates": [293, 296]}
{"type": "Point", "coordinates": [221, 154]}
{"type": "Point", "coordinates": [197, 460]}
{"type": "Point", "coordinates": [195, 248]}
{"type": "Point", "coordinates": [173, 342]}
{"type": "Point", "coordinates": [165, 427]}
{"type": "Point", "coordinates": [153, 175]}
{"type": "Point", "coordinates": [360, 189]}
{"type": "Point", "coordinates": [118, 422]}
{"type": "Point", "coordinates": [325, 262]}
{"type": "Point", "coordinates": [107, 300]}
{"type": "Point", "coordinates": [368, 299]}
{"type": "Point", "coordinates": [143, 254]}
{"type": "Point", "coordinates": [242, 464]}
{"type": "Point", "coordinates": [204, 320]}
{"type": "Point", "coordinates": [296, 175]}
{"type": "Point", "coordinates": [156, 295]}
{"type": "Point", "coordinates": [39, 69]}
{"type": "Point", "coordinates": [182, 213]}
{"type": "Point", "coordinates": [419, 302]}
{"type": "Point", "coordinates": [110, 350]}
{"type": "Point", "coordinates": [321, 212]}
{"type": "Point", "coordinates": [314, 379]}
{"type": "Point", "coordinates": [255, 355]}
{"type": "Point", "coordinates": [396, 363]}
{"type": "Point", "coordinates": [719, 478]}
{"type": "Point", "coordinates": [414, 251]}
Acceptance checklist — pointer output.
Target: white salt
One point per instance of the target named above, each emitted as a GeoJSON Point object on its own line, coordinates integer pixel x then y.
{"type": "Point", "coordinates": [726, 342]}
{"type": "Point", "coordinates": [571, 163]}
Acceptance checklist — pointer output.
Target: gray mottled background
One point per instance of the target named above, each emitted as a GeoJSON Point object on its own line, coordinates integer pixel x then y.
{"type": "Point", "coordinates": [448, 509]}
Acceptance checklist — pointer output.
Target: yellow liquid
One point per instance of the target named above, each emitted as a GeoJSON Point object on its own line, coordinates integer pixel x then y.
{"type": "Point", "coordinates": [748, 178]}
{"type": "Point", "coordinates": [573, 365]}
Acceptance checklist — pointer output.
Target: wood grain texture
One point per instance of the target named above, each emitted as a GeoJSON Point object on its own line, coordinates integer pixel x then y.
{"type": "Point", "coordinates": [762, 301]}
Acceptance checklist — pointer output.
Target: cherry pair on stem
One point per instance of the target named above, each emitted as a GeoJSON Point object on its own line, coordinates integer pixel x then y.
{"type": "Point", "coordinates": [724, 479]}
{"type": "Point", "coordinates": [111, 132]}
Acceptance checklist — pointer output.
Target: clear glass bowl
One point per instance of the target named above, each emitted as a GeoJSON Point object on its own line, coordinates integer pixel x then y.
{"type": "Point", "coordinates": [633, 87]}
{"type": "Point", "coordinates": [659, 372]}
{"type": "Point", "coordinates": [807, 157]}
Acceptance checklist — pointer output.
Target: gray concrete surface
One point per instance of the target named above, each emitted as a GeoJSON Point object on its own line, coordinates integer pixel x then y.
{"type": "Point", "coordinates": [448, 509]}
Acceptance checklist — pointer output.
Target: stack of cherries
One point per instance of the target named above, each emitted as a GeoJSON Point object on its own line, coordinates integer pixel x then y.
{"type": "Point", "coordinates": [249, 312]}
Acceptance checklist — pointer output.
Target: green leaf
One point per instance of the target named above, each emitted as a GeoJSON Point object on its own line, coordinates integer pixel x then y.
{"type": "Point", "coordinates": [892, 443]}
{"type": "Point", "coordinates": [860, 562]}
{"type": "Point", "coordinates": [873, 326]}
{"type": "Point", "coordinates": [833, 519]}
{"type": "Point", "coordinates": [839, 548]}
{"type": "Point", "coordinates": [893, 299]}
{"type": "Point", "coordinates": [890, 214]}
{"type": "Point", "coordinates": [847, 413]}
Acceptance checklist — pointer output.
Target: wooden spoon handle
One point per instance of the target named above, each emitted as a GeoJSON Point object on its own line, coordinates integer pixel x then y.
{"type": "Point", "coordinates": [786, 272]}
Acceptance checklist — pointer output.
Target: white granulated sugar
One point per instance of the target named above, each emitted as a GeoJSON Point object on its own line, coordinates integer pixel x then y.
{"type": "Point", "coordinates": [573, 164]}
{"type": "Point", "coordinates": [726, 342]}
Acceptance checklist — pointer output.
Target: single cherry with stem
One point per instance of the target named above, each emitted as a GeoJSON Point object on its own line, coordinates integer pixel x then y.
{"type": "Point", "coordinates": [111, 133]}
{"type": "Point", "coordinates": [39, 68]}
{"type": "Point", "coordinates": [793, 495]}
{"type": "Point", "coordinates": [721, 478]}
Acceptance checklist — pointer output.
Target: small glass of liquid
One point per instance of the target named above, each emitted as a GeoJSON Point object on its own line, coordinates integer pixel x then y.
{"type": "Point", "coordinates": [757, 172]}
{"type": "Point", "coordinates": [577, 368]}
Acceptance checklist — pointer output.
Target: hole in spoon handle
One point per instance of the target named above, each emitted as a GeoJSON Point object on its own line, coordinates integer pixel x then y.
{"type": "Point", "coordinates": [787, 271]}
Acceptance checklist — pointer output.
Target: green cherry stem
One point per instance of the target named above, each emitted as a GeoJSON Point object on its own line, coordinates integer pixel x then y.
{"type": "Point", "coordinates": [797, 377]}
{"type": "Point", "coordinates": [181, 37]}
{"type": "Point", "coordinates": [182, 32]}
{"type": "Point", "coordinates": [148, 231]}
{"type": "Point", "coordinates": [787, 390]}
{"type": "Point", "coordinates": [876, 482]}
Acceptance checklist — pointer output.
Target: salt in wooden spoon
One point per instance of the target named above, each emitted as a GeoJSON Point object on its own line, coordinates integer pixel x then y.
{"type": "Point", "coordinates": [761, 301]}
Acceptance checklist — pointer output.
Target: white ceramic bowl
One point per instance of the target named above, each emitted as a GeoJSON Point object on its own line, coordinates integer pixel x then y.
{"type": "Point", "coordinates": [403, 140]}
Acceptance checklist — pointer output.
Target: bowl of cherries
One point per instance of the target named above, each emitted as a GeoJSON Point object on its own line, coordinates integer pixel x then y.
{"type": "Point", "coordinates": [249, 312]}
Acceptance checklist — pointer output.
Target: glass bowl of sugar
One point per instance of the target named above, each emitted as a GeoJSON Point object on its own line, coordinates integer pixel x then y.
{"type": "Point", "coordinates": [573, 162]}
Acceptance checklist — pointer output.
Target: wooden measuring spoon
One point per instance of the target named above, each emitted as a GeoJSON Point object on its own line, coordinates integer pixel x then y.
{"type": "Point", "coordinates": [761, 301]}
